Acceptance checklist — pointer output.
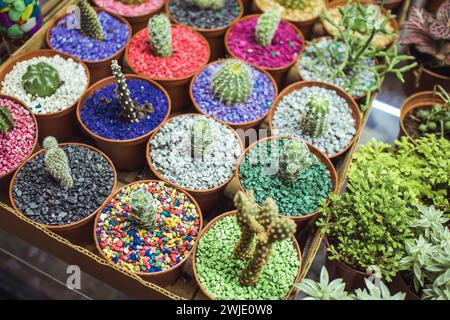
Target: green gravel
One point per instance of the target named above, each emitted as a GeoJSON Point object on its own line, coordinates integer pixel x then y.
{"type": "Point", "coordinates": [258, 172]}
{"type": "Point", "coordinates": [219, 272]}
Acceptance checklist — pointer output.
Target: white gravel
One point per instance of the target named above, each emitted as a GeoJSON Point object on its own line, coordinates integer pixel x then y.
{"type": "Point", "coordinates": [170, 154]}
{"type": "Point", "coordinates": [341, 129]}
{"type": "Point", "coordinates": [74, 82]}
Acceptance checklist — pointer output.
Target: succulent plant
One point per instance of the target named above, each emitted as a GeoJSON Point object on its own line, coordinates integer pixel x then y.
{"type": "Point", "coordinates": [201, 138]}
{"type": "Point", "coordinates": [373, 292]}
{"type": "Point", "coordinates": [267, 26]}
{"type": "Point", "coordinates": [363, 18]}
{"type": "Point", "coordinates": [315, 117]}
{"type": "Point", "coordinates": [232, 82]}
{"type": "Point", "coordinates": [294, 4]}
{"type": "Point", "coordinates": [57, 163]}
{"type": "Point", "coordinates": [6, 120]}
{"type": "Point", "coordinates": [89, 22]}
{"type": "Point", "coordinates": [206, 4]}
{"type": "Point", "coordinates": [294, 159]}
{"type": "Point", "coordinates": [133, 2]}
{"type": "Point", "coordinates": [143, 208]}
{"type": "Point", "coordinates": [130, 111]}
{"type": "Point", "coordinates": [160, 34]}
{"type": "Point", "coordinates": [41, 80]}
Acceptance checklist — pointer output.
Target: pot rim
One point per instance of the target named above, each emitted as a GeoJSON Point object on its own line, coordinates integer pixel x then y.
{"type": "Point", "coordinates": [426, 70]}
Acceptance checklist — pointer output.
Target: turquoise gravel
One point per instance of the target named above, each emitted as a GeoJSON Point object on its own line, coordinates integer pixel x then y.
{"type": "Point", "coordinates": [219, 272]}
{"type": "Point", "coordinates": [258, 172]}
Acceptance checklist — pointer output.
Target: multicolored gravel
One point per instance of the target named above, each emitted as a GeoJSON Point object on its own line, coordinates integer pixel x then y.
{"type": "Point", "coordinates": [126, 10]}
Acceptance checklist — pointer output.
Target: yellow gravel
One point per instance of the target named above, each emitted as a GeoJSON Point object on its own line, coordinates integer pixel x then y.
{"type": "Point", "coordinates": [315, 8]}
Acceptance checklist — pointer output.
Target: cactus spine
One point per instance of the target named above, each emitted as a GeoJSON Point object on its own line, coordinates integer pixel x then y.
{"type": "Point", "coordinates": [57, 163]}
{"type": "Point", "coordinates": [89, 22]}
{"type": "Point", "coordinates": [143, 208]}
{"type": "Point", "coordinates": [41, 80]}
{"type": "Point", "coordinates": [206, 4]}
{"type": "Point", "coordinates": [6, 120]}
{"type": "Point", "coordinates": [130, 112]}
{"type": "Point", "coordinates": [201, 138]}
{"type": "Point", "coordinates": [294, 159]}
{"type": "Point", "coordinates": [294, 4]}
{"type": "Point", "coordinates": [160, 34]}
{"type": "Point", "coordinates": [267, 26]}
{"type": "Point", "coordinates": [315, 117]}
{"type": "Point", "coordinates": [232, 83]}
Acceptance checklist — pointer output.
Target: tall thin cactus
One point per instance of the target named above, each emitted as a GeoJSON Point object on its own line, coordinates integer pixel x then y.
{"type": "Point", "coordinates": [57, 163]}
{"type": "Point", "coordinates": [89, 22]}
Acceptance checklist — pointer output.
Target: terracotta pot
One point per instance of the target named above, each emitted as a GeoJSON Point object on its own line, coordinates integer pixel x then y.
{"type": "Point", "coordinates": [244, 125]}
{"type": "Point", "coordinates": [6, 177]}
{"type": "Point", "coordinates": [160, 278]}
{"type": "Point", "coordinates": [137, 22]}
{"type": "Point", "coordinates": [280, 73]}
{"type": "Point", "coordinates": [301, 221]}
{"type": "Point", "coordinates": [99, 69]}
{"type": "Point", "coordinates": [207, 199]}
{"type": "Point", "coordinates": [81, 230]}
{"type": "Point", "coordinates": [178, 89]}
{"type": "Point", "coordinates": [206, 229]}
{"type": "Point", "coordinates": [214, 36]}
{"type": "Point", "coordinates": [61, 124]}
{"type": "Point", "coordinates": [399, 285]}
{"type": "Point", "coordinates": [350, 101]}
{"type": "Point", "coordinates": [126, 154]}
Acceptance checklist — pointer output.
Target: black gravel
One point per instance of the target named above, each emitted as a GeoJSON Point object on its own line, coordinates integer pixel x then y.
{"type": "Point", "coordinates": [41, 198]}
{"type": "Point", "coordinates": [204, 19]}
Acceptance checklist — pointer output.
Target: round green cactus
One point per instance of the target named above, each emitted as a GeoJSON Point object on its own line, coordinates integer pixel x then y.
{"type": "Point", "coordinates": [57, 163]}
{"type": "Point", "coordinates": [294, 4]}
{"type": "Point", "coordinates": [160, 34]}
{"type": "Point", "coordinates": [41, 80]}
{"type": "Point", "coordinates": [142, 206]}
{"type": "Point", "coordinates": [232, 83]}
{"type": "Point", "coordinates": [315, 117]}
{"type": "Point", "coordinates": [6, 120]}
{"type": "Point", "coordinates": [267, 26]}
{"type": "Point", "coordinates": [201, 138]}
{"type": "Point", "coordinates": [206, 4]}
{"type": "Point", "coordinates": [294, 159]}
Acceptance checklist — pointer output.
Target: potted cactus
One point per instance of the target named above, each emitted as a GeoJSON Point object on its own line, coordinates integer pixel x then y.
{"type": "Point", "coordinates": [319, 113]}
{"type": "Point", "coordinates": [149, 228]}
{"type": "Point", "coordinates": [51, 84]}
{"type": "Point", "coordinates": [120, 113]}
{"type": "Point", "coordinates": [63, 186]}
{"type": "Point", "coordinates": [92, 35]}
{"type": "Point", "coordinates": [211, 18]}
{"type": "Point", "coordinates": [267, 42]}
{"type": "Point", "coordinates": [234, 92]}
{"type": "Point", "coordinates": [18, 136]}
{"type": "Point", "coordinates": [240, 253]}
{"type": "Point", "coordinates": [168, 54]}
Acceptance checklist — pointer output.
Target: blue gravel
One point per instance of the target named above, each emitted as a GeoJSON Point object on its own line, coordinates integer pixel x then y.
{"type": "Point", "coordinates": [71, 41]}
{"type": "Point", "coordinates": [258, 103]}
{"type": "Point", "coordinates": [104, 118]}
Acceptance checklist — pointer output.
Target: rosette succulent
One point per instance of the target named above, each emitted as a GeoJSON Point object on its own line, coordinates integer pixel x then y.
{"type": "Point", "coordinates": [41, 80]}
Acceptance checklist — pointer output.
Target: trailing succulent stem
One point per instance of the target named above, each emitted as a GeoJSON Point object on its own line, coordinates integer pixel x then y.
{"type": "Point", "coordinates": [160, 34]}
{"type": "Point", "coordinates": [57, 163]}
{"type": "Point", "coordinates": [315, 117]}
{"type": "Point", "coordinates": [206, 4]}
{"type": "Point", "coordinates": [267, 26]}
{"type": "Point", "coordinates": [143, 208]}
{"type": "Point", "coordinates": [232, 83]}
{"type": "Point", "coordinates": [294, 4]}
{"type": "Point", "coordinates": [201, 138]}
{"type": "Point", "coordinates": [89, 22]}
{"type": "Point", "coordinates": [130, 112]}
{"type": "Point", "coordinates": [6, 120]}
{"type": "Point", "coordinates": [41, 80]}
{"type": "Point", "coordinates": [294, 159]}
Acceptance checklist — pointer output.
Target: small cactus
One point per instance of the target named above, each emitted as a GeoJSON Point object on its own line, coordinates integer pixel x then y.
{"type": "Point", "coordinates": [160, 34]}
{"type": "Point", "coordinates": [143, 208]}
{"type": "Point", "coordinates": [57, 163]}
{"type": "Point", "coordinates": [41, 80]}
{"type": "Point", "coordinates": [294, 4]}
{"type": "Point", "coordinates": [315, 117]}
{"type": "Point", "coordinates": [206, 4]}
{"type": "Point", "coordinates": [130, 112]}
{"type": "Point", "coordinates": [6, 120]}
{"type": "Point", "coordinates": [232, 83]}
{"type": "Point", "coordinates": [294, 159]}
{"type": "Point", "coordinates": [267, 26]}
{"type": "Point", "coordinates": [201, 138]}
{"type": "Point", "coordinates": [89, 22]}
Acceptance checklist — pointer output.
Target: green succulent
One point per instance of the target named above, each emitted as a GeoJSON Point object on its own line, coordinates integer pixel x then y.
{"type": "Point", "coordinates": [201, 138]}
{"type": "Point", "coordinates": [41, 80]}
{"type": "Point", "coordinates": [266, 27]}
{"type": "Point", "coordinates": [6, 120]}
{"type": "Point", "coordinates": [57, 163]}
{"type": "Point", "coordinates": [294, 159]}
{"type": "Point", "coordinates": [373, 292]}
{"type": "Point", "coordinates": [294, 4]}
{"type": "Point", "coordinates": [90, 25]}
{"type": "Point", "coordinates": [143, 208]}
{"type": "Point", "coordinates": [160, 34]}
{"type": "Point", "coordinates": [314, 120]}
{"type": "Point", "coordinates": [206, 4]}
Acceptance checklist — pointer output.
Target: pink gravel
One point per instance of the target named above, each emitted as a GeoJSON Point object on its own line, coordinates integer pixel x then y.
{"type": "Point", "coordinates": [190, 53]}
{"type": "Point", "coordinates": [125, 10]}
{"type": "Point", "coordinates": [285, 47]}
{"type": "Point", "coordinates": [18, 143]}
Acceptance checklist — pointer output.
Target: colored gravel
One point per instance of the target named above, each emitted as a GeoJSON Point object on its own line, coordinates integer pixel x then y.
{"type": "Point", "coordinates": [219, 272]}
{"type": "Point", "coordinates": [256, 106]}
{"type": "Point", "coordinates": [125, 243]}
{"type": "Point", "coordinates": [312, 9]}
{"type": "Point", "coordinates": [42, 199]}
{"type": "Point", "coordinates": [285, 48]}
{"type": "Point", "coordinates": [67, 38]}
{"type": "Point", "coordinates": [258, 172]}
{"type": "Point", "coordinates": [18, 143]}
{"type": "Point", "coordinates": [101, 111]}
{"type": "Point", "coordinates": [194, 17]}
{"type": "Point", "coordinates": [126, 10]}
{"type": "Point", "coordinates": [190, 53]}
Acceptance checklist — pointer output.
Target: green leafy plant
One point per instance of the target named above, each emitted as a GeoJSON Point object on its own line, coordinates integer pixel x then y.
{"type": "Point", "coordinates": [267, 26]}
{"type": "Point", "coordinates": [6, 120]}
{"type": "Point", "coordinates": [41, 80]}
{"type": "Point", "coordinates": [143, 208]}
{"type": "Point", "coordinates": [314, 119]}
{"type": "Point", "coordinates": [201, 138]}
{"type": "Point", "coordinates": [89, 22]}
{"type": "Point", "coordinates": [206, 4]}
{"type": "Point", "coordinates": [160, 34]}
{"type": "Point", "coordinates": [57, 163]}
{"type": "Point", "coordinates": [294, 159]}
